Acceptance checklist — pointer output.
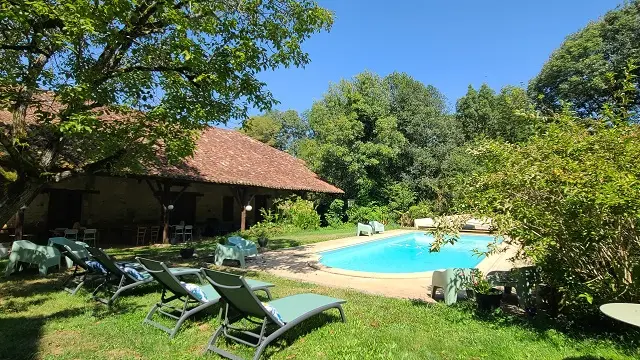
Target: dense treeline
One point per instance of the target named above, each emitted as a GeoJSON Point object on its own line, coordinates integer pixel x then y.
{"type": "Point", "coordinates": [390, 140]}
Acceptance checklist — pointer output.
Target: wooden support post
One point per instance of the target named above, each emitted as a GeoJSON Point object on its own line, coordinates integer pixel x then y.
{"type": "Point", "coordinates": [162, 192]}
{"type": "Point", "coordinates": [240, 195]}
{"type": "Point", "coordinates": [165, 201]}
{"type": "Point", "coordinates": [19, 223]}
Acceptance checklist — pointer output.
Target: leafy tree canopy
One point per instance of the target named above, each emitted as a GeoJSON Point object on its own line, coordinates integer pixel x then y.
{"type": "Point", "coordinates": [171, 66]}
{"type": "Point", "coordinates": [281, 130]}
{"type": "Point", "coordinates": [356, 140]}
{"type": "Point", "coordinates": [589, 66]}
{"type": "Point", "coordinates": [505, 115]}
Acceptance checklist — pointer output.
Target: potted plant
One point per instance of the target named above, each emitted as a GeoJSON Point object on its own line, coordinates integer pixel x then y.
{"type": "Point", "coordinates": [487, 297]}
{"type": "Point", "coordinates": [187, 252]}
{"type": "Point", "coordinates": [262, 238]}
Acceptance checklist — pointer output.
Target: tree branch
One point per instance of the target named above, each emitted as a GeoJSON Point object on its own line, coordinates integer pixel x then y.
{"type": "Point", "coordinates": [90, 168]}
{"type": "Point", "coordinates": [29, 48]}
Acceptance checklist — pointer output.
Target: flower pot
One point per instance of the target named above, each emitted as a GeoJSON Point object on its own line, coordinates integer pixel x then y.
{"type": "Point", "coordinates": [488, 302]}
{"type": "Point", "coordinates": [187, 253]}
{"type": "Point", "coordinates": [470, 294]}
{"type": "Point", "coordinates": [262, 241]}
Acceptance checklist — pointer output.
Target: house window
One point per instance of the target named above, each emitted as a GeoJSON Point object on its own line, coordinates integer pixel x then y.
{"type": "Point", "coordinates": [227, 208]}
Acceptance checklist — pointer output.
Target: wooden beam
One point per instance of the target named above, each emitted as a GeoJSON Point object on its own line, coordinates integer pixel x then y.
{"type": "Point", "coordinates": [199, 194]}
{"type": "Point", "coordinates": [240, 195]}
{"type": "Point", "coordinates": [48, 190]}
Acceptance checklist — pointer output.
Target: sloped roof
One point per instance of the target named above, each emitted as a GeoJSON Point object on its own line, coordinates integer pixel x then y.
{"type": "Point", "coordinates": [225, 157]}
{"type": "Point", "coordinates": [229, 157]}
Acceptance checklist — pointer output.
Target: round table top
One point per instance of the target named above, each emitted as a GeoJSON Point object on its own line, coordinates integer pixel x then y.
{"type": "Point", "coordinates": [625, 312]}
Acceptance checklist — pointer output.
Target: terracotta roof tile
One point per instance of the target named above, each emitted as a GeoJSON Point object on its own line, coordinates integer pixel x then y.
{"type": "Point", "coordinates": [227, 157]}
{"type": "Point", "coordinates": [230, 157]}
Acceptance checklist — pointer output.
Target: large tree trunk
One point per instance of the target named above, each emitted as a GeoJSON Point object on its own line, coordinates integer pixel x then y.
{"type": "Point", "coordinates": [18, 194]}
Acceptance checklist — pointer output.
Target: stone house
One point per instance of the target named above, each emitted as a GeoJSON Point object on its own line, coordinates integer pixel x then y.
{"type": "Point", "coordinates": [221, 188]}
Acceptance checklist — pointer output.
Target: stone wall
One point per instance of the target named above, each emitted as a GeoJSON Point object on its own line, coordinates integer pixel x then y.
{"type": "Point", "coordinates": [111, 202]}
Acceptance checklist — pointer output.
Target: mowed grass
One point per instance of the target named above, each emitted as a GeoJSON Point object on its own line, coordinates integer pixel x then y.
{"type": "Point", "coordinates": [207, 246]}
{"type": "Point", "coordinates": [304, 237]}
{"type": "Point", "coordinates": [40, 321]}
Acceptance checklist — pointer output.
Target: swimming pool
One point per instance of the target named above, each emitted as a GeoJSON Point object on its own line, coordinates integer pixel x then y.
{"type": "Point", "coordinates": [407, 253]}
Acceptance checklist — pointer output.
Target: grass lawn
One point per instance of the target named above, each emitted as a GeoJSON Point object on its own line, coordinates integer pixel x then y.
{"type": "Point", "coordinates": [38, 320]}
{"type": "Point", "coordinates": [304, 237]}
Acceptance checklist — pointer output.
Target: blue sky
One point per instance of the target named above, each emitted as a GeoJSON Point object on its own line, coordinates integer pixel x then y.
{"type": "Point", "coordinates": [449, 44]}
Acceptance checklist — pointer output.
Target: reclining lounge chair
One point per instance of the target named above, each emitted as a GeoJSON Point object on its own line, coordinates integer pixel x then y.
{"type": "Point", "coordinates": [241, 303]}
{"type": "Point", "coordinates": [122, 276]}
{"type": "Point", "coordinates": [194, 298]}
{"type": "Point", "coordinates": [81, 269]}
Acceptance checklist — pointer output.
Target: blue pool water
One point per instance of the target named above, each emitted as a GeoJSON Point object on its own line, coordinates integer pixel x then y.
{"type": "Point", "coordinates": [406, 254]}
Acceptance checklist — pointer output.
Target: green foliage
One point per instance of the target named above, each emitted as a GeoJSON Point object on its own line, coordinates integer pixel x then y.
{"type": "Point", "coordinates": [579, 72]}
{"type": "Point", "coordinates": [335, 214]}
{"type": "Point", "coordinates": [291, 214]}
{"type": "Point", "coordinates": [370, 132]}
{"type": "Point", "coordinates": [506, 115]}
{"type": "Point", "coordinates": [569, 200]}
{"type": "Point", "coordinates": [430, 132]}
{"type": "Point", "coordinates": [364, 214]}
{"type": "Point", "coordinates": [171, 67]}
{"type": "Point", "coordinates": [422, 210]}
{"type": "Point", "coordinates": [281, 130]}
{"type": "Point", "coordinates": [299, 213]}
{"type": "Point", "coordinates": [478, 283]}
{"type": "Point", "coordinates": [400, 197]}
{"type": "Point", "coordinates": [356, 139]}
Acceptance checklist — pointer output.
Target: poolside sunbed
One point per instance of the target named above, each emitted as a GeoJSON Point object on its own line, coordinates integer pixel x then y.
{"type": "Point", "coordinates": [81, 269]}
{"type": "Point", "coordinates": [241, 303]}
{"type": "Point", "coordinates": [193, 298]}
{"type": "Point", "coordinates": [122, 276]}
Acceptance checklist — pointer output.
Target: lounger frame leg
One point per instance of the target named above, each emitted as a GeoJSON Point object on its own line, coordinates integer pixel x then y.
{"type": "Point", "coordinates": [262, 341]}
{"type": "Point", "coordinates": [75, 274]}
{"type": "Point", "coordinates": [184, 312]}
{"type": "Point", "coordinates": [120, 288]}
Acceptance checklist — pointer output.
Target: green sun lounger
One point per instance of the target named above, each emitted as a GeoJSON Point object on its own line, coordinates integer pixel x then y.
{"type": "Point", "coordinates": [81, 270]}
{"type": "Point", "coordinates": [77, 247]}
{"type": "Point", "coordinates": [116, 280]}
{"type": "Point", "coordinates": [241, 303]}
{"type": "Point", "coordinates": [174, 290]}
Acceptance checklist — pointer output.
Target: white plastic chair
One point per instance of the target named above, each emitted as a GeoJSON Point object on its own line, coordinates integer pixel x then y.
{"type": "Point", "coordinates": [179, 232]}
{"type": "Point", "coordinates": [142, 232]}
{"type": "Point", "coordinates": [71, 234]}
{"type": "Point", "coordinates": [90, 235]}
{"type": "Point", "coordinates": [155, 233]}
{"type": "Point", "coordinates": [188, 233]}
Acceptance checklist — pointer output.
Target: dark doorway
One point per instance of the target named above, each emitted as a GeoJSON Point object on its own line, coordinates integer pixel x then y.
{"type": "Point", "coordinates": [227, 208]}
{"type": "Point", "coordinates": [184, 209]}
{"type": "Point", "coordinates": [261, 203]}
{"type": "Point", "coordinates": [65, 208]}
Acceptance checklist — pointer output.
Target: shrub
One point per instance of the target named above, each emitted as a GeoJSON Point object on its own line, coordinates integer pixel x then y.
{"type": "Point", "coordinates": [364, 214]}
{"type": "Point", "coordinates": [335, 214]}
{"type": "Point", "coordinates": [422, 210]}
{"type": "Point", "coordinates": [299, 213]}
{"type": "Point", "coordinates": [569, 200]}
{"type": "Point", "coordinates": [400, 196]}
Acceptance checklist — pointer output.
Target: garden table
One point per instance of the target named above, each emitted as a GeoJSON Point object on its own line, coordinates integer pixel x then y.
{"type": "Point", "coordinates": [625, 312]}
{"type": "Point", "coordinates": [23, 251]}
